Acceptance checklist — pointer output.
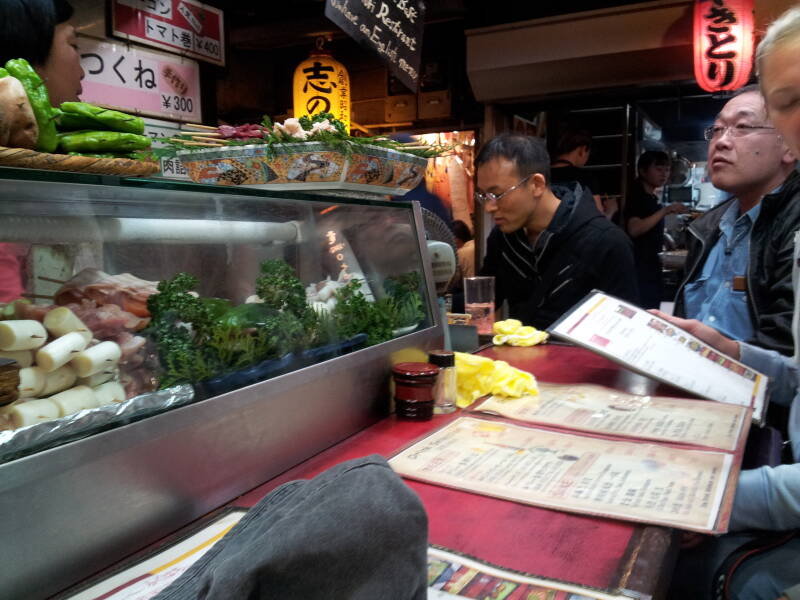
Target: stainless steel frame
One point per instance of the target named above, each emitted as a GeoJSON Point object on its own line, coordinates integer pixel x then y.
{"type": "Point", "coordinates": [73, 510]}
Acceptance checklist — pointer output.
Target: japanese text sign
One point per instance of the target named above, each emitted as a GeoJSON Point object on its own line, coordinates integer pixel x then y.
{"type": "Point", "coordinates": [723, 43]}
{"type": "Point", "coordinates": [391, 28]}
{"type": "Point", "coordinates": [322, 84]}
{"type": "Point", "coordinates": [158, 131]}
{"type": "Point", "coordinates": [141, 81]}
{"type": "Point", "coordinates": [184, 26]}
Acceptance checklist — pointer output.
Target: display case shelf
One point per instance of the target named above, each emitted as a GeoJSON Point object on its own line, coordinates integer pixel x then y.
{"type": "Point", "coordinates": [76, 508]}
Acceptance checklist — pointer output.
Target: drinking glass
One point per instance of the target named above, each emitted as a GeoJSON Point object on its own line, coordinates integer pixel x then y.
{"type": "Point", "coordinates": [479, 302]}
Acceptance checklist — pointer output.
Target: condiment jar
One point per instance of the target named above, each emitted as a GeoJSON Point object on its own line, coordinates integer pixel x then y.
{"type": "Point", "coordinates": [444, 392]}
{"type": "Point", "coordinates": [413, 390]}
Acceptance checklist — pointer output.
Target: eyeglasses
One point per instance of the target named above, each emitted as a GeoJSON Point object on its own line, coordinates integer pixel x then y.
{"type": "Point", "coordinates": [717, 131]}
{"type": "Point", "coordinates": [485, 197]}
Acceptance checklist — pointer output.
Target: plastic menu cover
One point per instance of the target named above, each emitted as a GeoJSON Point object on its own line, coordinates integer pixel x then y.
{"type": "Point", "coordinates": [647, 344]}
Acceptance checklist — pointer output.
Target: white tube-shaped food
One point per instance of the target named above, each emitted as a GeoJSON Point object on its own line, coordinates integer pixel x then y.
{"type": "Point", "coordinates": [61, 321]}
{"type": "Point", "coordinates": [24, 358]}
{"type": "Point", "coordinates": [32, 411]}
{"type": "Point", "coordinates": [101, 357]}
{"type": "Point", "coordinates": [24, 334]}
{"type": "Point", "coordinates": [97, 378]}
{"type": "Point", "coordinates": [60, 351]}
{"type": "Point", "coordinates": [109, 393]}
{"type": "Point", "coordinates": [31, 382]}
{"type": "Point", "coordinates": [74, 399]}
{"type": "Point", "coordinates": [4, 410]}
{"type": "Point", "coordinates": [59, 380]}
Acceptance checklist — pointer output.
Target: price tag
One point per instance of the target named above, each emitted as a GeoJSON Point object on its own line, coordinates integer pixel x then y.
{"type": "Point", "coordinates": [140, 81]}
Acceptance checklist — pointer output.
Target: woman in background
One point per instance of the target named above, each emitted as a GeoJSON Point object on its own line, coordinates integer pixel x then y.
{"type": "Point", "coordinates": [38, 31]}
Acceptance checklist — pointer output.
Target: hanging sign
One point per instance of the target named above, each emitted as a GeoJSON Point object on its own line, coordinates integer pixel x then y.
{"type": "Point", "coordinates": [140, 81]}
{"type": "Point", "coordinates": [184, 26]}
{"type": "Point", "coordinates": [391, 28]}
{"type": "Point", "coordinates": [723, 43]}
{"type": "Point", "coordinates": [322, 84]}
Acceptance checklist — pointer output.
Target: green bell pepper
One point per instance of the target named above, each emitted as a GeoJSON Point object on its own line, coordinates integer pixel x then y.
{"type": "Point", "coordinates": [82, 115]}
{"type": "Point", "coordinates": [3, 73]}
{"type": "Point", "coordinates": [102, 141]}
{"type": "Point", "coordinates": [40, 102]}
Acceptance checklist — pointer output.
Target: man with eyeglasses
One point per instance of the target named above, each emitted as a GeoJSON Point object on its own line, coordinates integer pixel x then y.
{"type": "Point", "coordinates": [549, 247]}
{"type": "Point", "coordinates": [739, 265]}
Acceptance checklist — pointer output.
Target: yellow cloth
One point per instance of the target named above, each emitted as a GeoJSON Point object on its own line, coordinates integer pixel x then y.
{"type": "Point", "coordinates": [477, 376]}
{"type": "Point", "coordinates": [513, 333]}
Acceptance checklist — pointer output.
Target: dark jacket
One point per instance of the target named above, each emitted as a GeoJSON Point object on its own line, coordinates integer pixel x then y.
{"type": "Point", "coordinates": [769, 272]}
{"type": "Point", "coordinates": [579, 251]}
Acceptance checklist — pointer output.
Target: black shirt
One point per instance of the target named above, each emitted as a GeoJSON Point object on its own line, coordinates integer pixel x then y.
{"type": "Point", "coordinates": [561, 175]}
{"type": "Point", "coordinates": [647, 246]}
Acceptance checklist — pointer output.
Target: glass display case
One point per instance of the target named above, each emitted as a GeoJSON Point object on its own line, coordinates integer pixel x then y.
{"type": "Point", "coordinates": [275, 344]}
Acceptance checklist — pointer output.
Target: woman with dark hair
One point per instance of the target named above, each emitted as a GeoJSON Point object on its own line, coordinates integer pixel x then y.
{"type": "Point", "coordinates": [38, 31]}
{"type": "Point", "coordinates": [644, 222]}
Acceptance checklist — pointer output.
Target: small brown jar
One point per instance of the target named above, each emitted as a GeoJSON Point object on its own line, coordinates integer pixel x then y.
{"type": "Point", "coordinates": [413, 390]}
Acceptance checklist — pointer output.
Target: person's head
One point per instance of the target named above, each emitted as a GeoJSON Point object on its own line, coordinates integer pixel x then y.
{"type": "Point", "coordinates": [461, 232]}
{"type": "Point", "coordinates": [778, 67]}
{"type": "Point", "coordinates": [37, 30]}
{"type": "Point", "coordinates": [575, 145]}
{"type": "Point", "coordinates": [512, 173]}
{"type": "Point", "coordinates": [653, 167]}
{"type": "Point", "coordinates": [746, 154]}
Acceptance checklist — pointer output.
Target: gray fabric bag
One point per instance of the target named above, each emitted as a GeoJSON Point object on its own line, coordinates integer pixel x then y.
{"type": "Point", "coordinates": [355, 531]}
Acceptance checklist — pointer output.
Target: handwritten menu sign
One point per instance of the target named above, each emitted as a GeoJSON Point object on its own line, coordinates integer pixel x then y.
{"type": "Point", "coordinates": [391, 28]}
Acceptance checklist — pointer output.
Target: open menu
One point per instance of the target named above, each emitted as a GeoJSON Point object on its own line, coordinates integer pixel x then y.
{"type": "Point", "coordinates": [602, 410]}
{"type": "Point", "coordinates": [632, 480]}
{"type": "Point", "coordinates": [656, 348]}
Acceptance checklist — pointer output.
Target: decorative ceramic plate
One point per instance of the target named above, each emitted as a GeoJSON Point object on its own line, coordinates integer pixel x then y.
{"type": "Point", "coordinates": [306, 166]}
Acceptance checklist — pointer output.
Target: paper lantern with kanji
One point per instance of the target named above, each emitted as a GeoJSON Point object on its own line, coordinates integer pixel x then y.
{"type": "Point", "coordinates": [723, 43]}
{"type": "Point", "coordinates": [322, 84]}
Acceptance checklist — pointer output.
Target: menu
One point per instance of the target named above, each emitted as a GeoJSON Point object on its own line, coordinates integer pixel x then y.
{"type": "Point", "coordinates": [645, 343]}
{"type": "Point", "coordinates": [629, 480]}
{"type": "Point", "coordinates": [607, 411]}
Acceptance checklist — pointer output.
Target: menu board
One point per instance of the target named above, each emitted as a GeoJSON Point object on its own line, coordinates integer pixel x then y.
{"type": "Point", "coordinates": [647, 344]}
{"type": "Point", "coordinates": [606, 411]}
{"type": "Point", "coordinates": [390, 28]}
{"type": "Point", "coordinates": [632, 481]}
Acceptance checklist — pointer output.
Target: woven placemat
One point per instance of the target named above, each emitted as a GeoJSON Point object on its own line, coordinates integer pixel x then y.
{"type": "Point", "coordinates": [30, 159]}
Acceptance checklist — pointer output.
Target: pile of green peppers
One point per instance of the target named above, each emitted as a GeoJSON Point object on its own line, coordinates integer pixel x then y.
{"type": "Point", "coordinates": [77, 127]}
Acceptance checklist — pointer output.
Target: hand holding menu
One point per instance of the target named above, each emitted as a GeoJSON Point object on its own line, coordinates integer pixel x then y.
{"type": "Point", "coordinates": [654, 347]}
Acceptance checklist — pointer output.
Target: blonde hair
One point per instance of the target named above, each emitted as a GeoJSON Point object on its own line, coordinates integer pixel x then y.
{"type": "Point", "coordinates": [785, 29]}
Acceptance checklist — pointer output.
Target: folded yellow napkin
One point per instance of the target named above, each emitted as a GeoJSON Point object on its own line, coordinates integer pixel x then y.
{"type": "Point", "coordinates": [477, 376]}
{"type": "Point", "coordinates": [513, 333]}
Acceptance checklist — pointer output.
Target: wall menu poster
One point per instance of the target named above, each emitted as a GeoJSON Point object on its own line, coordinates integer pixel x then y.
{"type": "Point", "coordinates": [393, 30]}
{"type": "Point", "coordinates": [606, 411]}
{"type": "Point", "coordinates": [632, 481]}
{"type": "Point", "coordinates": [649, 345]}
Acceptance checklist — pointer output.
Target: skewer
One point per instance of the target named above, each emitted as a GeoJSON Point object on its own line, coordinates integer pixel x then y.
{"type": "Point", "coordinates": [200, 126]}
{"type": "Point", "coordinates": [203, 133]}
{"type": "Point", "coordinates": [50, 279]}
{"type": "Point", "coordinates": [198, 138]}
{"type": "Point", "coordinates": [191, 143]}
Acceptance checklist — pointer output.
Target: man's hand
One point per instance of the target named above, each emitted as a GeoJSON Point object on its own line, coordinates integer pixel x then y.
{"type": "Point", "coordinates": [676, 208]}
{"type": "Point", "coordinates": [707, 334]}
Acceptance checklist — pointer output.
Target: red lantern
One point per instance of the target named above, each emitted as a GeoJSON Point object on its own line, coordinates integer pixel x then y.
{"type": "Point", "coordinates": [723, 43]}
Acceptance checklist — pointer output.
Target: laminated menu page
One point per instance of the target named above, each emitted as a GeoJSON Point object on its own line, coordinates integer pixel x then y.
{"type": "Point", "coordinates": [647, 344]}
{"type": "Point", "coordinates": [602, 410]}
{"type": "Point", "coordinates": [630, 480]}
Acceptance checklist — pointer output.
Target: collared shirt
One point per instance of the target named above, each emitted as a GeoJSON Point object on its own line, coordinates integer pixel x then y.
{"type": "Point", "coordinates": [711, 298]}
